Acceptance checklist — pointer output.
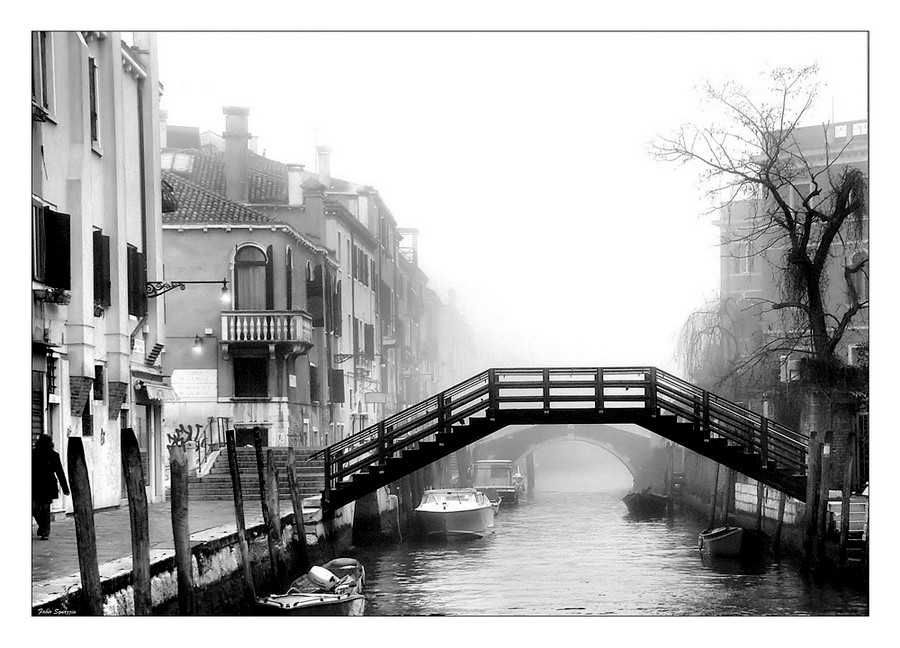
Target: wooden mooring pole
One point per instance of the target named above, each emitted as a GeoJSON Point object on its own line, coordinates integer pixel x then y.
{"type": "Point", "coordinates": [275, 530]}
{"type": "Point", "coordinates": [264, 503]}
{"type": "Point", "coordinates": [715, 496]}
{"type": "Point", "coordinates": [776, 542]}
{"type": "Point", "coordinates": [729, 496]}
{"type": "Point", "coordinates": [138, 513]}
{"type": "Point", "coordinates": [847, 489]}
{"type": "Point", "coordinates": [181, 532]}
{"type": "Point", "coordinates": [85, 538]}
{"type": "Point", "coordinates": [813, 472]}
{"type": "Point", "coordinates": [249, 588]}
{"type": "Point", "coordinates": [297, 503]}
{"type": "Point", "coordinates": [822, 512]}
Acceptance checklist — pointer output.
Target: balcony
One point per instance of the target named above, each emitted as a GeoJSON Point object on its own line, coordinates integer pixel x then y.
{"type": "Point", "coordinates": [268, 327]}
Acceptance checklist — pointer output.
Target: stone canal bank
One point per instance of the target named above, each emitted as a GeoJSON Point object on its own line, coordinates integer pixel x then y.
{"type": "Point", "coordinates": [56, 583]}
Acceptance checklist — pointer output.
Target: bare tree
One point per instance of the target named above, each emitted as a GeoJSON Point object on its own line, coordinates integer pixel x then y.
{"type": "Point", "coordinates": [799, 212]}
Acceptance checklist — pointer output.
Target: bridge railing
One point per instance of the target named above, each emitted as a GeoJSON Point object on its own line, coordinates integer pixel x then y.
{"type": "Point", "coordinates": [543, 389]}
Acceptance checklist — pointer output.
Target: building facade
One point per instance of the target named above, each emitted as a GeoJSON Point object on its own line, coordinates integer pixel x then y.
{"type": "Point", "coordinates": [352, 276]}
{"type": "Point", "coordinates": [96, 241]}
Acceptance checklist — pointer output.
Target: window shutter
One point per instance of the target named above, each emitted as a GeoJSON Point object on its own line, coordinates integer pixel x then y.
{"type": "Point", "coordinates": [315, 302]}
{"type": "Point", "coordinates": [101, 269]}
{"type": "Point", "coordinates": [289, 281]}
{"type": "Point", "coordinates": [107, 280]}
{"type": "Point", "coordinates": [270, 279]}
{"type": "Point", "coordinates": [336, 385]}
{"type": "Point", "coordinates": [39, 244]}
{"type": "Point", "coordinates": [132, 279]}
{"type": "Point", "coordinates": [313, 383]}
{"type": "Point", "coordinates": [369, 352]}
{"type": "Point", "coordinates": [141, 288]}
{"type": "Point", "coordinates": [338, 311]}
{"type": "Point", "coordinates": [58, 251]}
{"type": "Point", "coordinates": [328, 300]}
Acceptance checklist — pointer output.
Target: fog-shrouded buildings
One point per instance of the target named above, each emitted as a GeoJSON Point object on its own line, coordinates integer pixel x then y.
{"type": "Point", "coordinates": [330, 324]}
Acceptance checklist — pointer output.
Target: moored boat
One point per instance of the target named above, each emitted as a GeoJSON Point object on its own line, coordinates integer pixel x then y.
{"type": "Point", "coordinates": [333, 589]}
{"type": "Point", "coordinates": [733, 542]}
{"type": "Point", "coordinates": [455, 512]}
{"type": "Point", "coordinates": [645, 503]}
{"type": "Point", "coordinates": [496, 475]}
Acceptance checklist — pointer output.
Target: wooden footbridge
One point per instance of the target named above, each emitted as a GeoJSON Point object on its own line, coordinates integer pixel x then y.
{"type": "Point", "coordinates": [658, 401]}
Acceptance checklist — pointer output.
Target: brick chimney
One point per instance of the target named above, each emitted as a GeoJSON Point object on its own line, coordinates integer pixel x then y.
{"type": "Point", "coordinates": [323, 155]}
{"type": "Point", "coordinates": [295, 182]}
{"type": "Point", "coordinates": [237, 156]}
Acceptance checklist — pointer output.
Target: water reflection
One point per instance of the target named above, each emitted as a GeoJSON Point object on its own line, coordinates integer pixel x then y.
{"type": "Point", "coordinates": [580, 553]}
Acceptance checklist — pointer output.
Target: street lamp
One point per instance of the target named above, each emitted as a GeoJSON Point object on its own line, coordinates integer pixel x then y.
{"type": "Point", "coordinates": [157, 288]}
{"type": "Point", "coordinates": [198, 345]}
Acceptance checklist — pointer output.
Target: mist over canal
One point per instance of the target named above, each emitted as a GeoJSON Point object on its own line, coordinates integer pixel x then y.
{"type": "Point", "coordinates": [572, 549]}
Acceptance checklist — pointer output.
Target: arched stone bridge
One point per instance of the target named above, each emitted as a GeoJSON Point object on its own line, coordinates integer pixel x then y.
{"type": "Point", "coordinates": [628, 443]}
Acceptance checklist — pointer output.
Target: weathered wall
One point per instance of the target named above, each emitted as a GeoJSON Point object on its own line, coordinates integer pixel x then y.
{"type": "Point", "coordinates": [700, 476]}
{"type": "Point", "coordinates": [216, 563]}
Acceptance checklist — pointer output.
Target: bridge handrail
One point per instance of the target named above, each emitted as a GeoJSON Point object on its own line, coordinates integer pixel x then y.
{"type": "Point", "coordinates": [657, 392]}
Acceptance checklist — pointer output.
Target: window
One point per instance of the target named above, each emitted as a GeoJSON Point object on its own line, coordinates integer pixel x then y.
{"type": "Point", "coordinates": [42, 73]}
{"type": "Point", "coordinates": [289, 280]}
{"type": "Point", "coordinates": [336, 385]}
{"type": "Point", "coordinates": [374, 272]}
{"type": "Point", "coordinates": [250, 278]}
{"type": "Point", "coordinates": [137, 283]}
{"type": "Point", "coordinates": [51, 247]}
{"type": "Point", "coordinates": [337, 250]}
{"type": "Point", "coordinates": [745, 258]}
{"type": "Point", "coordinates": [102, 291]}
{"type": "Point", "coordinates": [251, 377]}
{"type": "Point", "coordinates": [51, 375]}
{"type": "Point", "coordinates": [37, 404]}
{"type": "Point", "coordinates": [99, 383]}
{"type": "Point", "coordinates": [313, 383]}
{"type": "Point", "coordinates": [337, 316]}
{"type": "Point", "coordinates": [94, 103]}
{"type": "Point", "coordinates": [369, 336]}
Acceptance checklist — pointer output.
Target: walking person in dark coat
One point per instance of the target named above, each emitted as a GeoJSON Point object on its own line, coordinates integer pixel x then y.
{"type": "Point", "coordinates": [46, 469]}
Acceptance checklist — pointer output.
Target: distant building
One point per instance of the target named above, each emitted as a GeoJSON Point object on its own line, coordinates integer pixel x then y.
{"type": "Point", "coordinates": [96, 242]}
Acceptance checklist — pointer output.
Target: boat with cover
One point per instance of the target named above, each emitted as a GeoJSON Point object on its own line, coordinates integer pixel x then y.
{"type": "Point", "coordinates": [496, 475]}
{"type": "Point", "coordinates": [645, 503]}
{"type": "Point", "coordinates": [332, 589]}
{"type": "Point", "coordinates": [733, 542]}
{"type": "Point", "coordinates": [455, 512]}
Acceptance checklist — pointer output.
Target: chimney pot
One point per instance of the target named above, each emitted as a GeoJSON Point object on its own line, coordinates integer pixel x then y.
{"type": "Point", "coordinates": [295, 182]}
{"type": "Point", "coordinates": [323, 155]}
{"type": "Point", "coordinates": [237, 156]}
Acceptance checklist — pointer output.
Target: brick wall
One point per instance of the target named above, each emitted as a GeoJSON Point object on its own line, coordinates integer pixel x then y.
{"type": "Point", "coordinates": [79, 391]}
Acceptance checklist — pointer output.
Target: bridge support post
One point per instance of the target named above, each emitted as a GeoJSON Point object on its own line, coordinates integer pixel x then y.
{"type": "Point", "coordinates": [529, 467]}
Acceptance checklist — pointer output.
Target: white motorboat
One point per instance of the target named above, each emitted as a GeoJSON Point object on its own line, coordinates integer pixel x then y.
{"type": "Point", "coordinates": [455, 512]}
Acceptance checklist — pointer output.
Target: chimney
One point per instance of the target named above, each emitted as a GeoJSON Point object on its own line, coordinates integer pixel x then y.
{"type": "Point", "coordinates": [295, 180]}
{"type": "Point", "coordinates": [323, 154]}
{"type": "Point", "coordinates": [163, 125]}
{"type": "Point", "coordinates": [236, 153]}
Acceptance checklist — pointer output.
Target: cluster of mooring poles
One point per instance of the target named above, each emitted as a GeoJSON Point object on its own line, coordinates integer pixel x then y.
{"type": "Point", "coordinates": [135, 484]}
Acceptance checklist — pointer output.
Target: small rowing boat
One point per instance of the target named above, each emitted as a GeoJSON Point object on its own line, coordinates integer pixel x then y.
{"type": "Point", "coordinates": [733, 542]}
{"type": "Point", "coordinates": [333, 589]}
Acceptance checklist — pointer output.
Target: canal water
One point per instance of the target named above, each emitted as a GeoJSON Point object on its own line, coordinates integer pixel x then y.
{"type": "Point", "coordinates": [572, 549]}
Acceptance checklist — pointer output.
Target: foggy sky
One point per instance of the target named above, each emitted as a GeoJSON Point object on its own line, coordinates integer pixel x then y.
{"type": "Point", "coordinates": [521, 158]}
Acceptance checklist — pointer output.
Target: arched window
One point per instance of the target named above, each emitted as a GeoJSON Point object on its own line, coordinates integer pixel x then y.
{"type": "Point", "coordinates": [250, 280]}
{"type": "Point", "coordinates": [289, 279]}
